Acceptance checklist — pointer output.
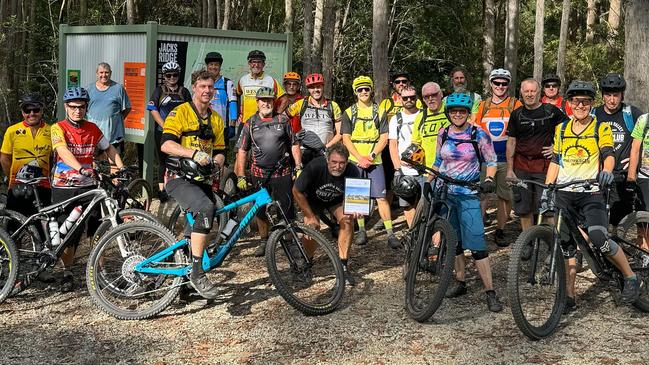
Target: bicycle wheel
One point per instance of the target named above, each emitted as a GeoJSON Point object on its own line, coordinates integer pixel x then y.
{"type": "Point", "coordinates": [114, 285]}
{"type": "Point", "coordinates": [430, 270]}
{"type": "Point", "coordinates": [177, 222]}
{"type": "Point", "coordinates": [313, 284]}
{"type": "Point", "coordinates": [139, 195]}
{"type": "Point", "coordinates": [124, 215]}
{"type": "Point", "coordinates": [537, 297]}
{"type": "Point", "coordinates": [634, 230]}
{"type": "Point", "coordinates": [9, 265]}
{"type": "Point", "coordinates": [229, 182]}
{"type": "Point", "coordinates": [418, 222]}
{"type": "Point", "coordinates": [28, 243]}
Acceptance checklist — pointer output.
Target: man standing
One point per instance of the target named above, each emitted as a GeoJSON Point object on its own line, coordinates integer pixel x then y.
{"type": "Point", "coordinates": [622, 119]}
{"type": "Point", "coordinates": [268, 138]}
{"type": "Point", "coordinates": [529, 147]}
{"type": "Point", "coordinates": [430, 121]}
{"type": "Point", "coordinates": [493, 116]}
{"type": "Point", "coordinates": [460, 83]}
{"type": "Point", "coordinates": [551, 84]}
{"type": "Point", "coordinates": [224, 102]}
{"type": "Point", "coordinates": [108, 107]}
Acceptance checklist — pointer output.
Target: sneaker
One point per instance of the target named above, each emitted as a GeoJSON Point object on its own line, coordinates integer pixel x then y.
{"type": "Point", "coordinates": [203, 286]}
{"type": "Point", "coordinates": [493, 303]}
{"type": "Point", "coordinates": [163, 196]}
{"type": "Point", "coordinates": [67, 283]}
{"type": "Point", "coordinates": [393, 242]}
{"type": "Point", "coordinates": [571, 305]}
{"type": "Point", "coordinates": [46, 277]}
{"type": "Point", "coordinates": [349, 278]}
{"type": "Point", "coordinates": [457, 289]}
{"type": "Point", "coordinates": [261, 249]}
{"type": "Point", "coordinates": [631, 290]}
{"type": "Point", "coordinates": [499, 238]}
{"type": "Point", "coordinates": [361, 238]}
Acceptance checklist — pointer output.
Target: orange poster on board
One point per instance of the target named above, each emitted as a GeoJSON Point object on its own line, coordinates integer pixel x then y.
{"type": "Point", "coordinates": [135, 85]}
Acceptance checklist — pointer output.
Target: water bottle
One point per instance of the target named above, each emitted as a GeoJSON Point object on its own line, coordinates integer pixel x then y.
{"type": "Point", "coordinates": [229, 227]}
{"type": "Point", "coordinates": [69, 222]}
{"type": "Point", "coordinates": [55, 238]}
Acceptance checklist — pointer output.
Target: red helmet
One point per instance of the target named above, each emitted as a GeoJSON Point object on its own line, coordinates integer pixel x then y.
{"type": "Point", "coordinates": [314, 79]}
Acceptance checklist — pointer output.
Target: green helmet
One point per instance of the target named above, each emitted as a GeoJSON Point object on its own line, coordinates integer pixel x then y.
{"type": "Point", "coordinates": [265, 93]}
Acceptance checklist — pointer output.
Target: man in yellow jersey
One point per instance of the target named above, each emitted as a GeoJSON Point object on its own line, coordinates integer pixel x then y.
{"type": "Point", "coordinates": [193, 131]}
{"type": "Point", "coordinates": [430, 121]}
{"type": "Point", "coordinates": [583, 149]}
{"type": "Point", "coordinates": [365, 134]}
{"type": "Point", "coordinates": [26, 154]}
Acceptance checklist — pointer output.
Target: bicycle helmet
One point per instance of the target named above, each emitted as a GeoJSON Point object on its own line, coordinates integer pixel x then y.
{"type": "Point", "coordinates": [171, 66]}
{"type": "Point", "coordinates": [551, 78]}
{"type": "Point", "coordinates": [459, 100]}
{"type": "Point", "coordinates": [612, 82]}
{"type": "Point", "coordinates": [414, 153]}
{"type": "Point", "coordinates": [256, 55]}
{"type": "Point", "coordinates": [362, 81]}
{"type": "Point", "coordinates": [31, 99]}
{"type": "Point", "coordinates": [310, 140]}
{"type": "Point", "coordinates": [399, 73]}
{"type": "Point", "coordinates": [578, 87]}
{"type": "Point", "coordinates": [500, 73]}
{"type": "Point", "coordinates": [292, 76]}
{"type": "Point", "coordinates": [190, 169]}
{"type": "Point", "coordinates": [265, 92]}
{"type": "Point", "coordinates": [213, 57]}
{"type": "Point", "coordinates": [75, 93]}
{"type": "Point", "coordinates": [314, 79]}
{"type": "Point", "coordinates": [406, 187]}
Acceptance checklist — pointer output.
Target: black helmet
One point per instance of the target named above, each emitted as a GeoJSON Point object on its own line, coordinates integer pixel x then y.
{"type": "Point", "coordinates": [256, 55]}
{"type": "Point", "coordinates": [551, 78]}
{"type": "Point", "coordinates": [399, 73]}
{"type": "Point", "coordinates": [190, 169]}
{"type": "Point", "coordinates": [612, 82]}
{"type": "Point", "coordinates": [579, 87]}
{"type": "Point", "coordinates": [406, 187]}
{"type": "Point", "coordinates": [32, 99]}
{"type": "Point", "coordinates": [213, 57]}
{"type": "Point", "coordinates": [309, 139]}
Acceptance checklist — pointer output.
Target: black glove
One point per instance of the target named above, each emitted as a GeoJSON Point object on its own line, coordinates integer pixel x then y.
{"type": "Point", "coordinates": [545, 200]}
{"type": "Point", "coordinates": [631, 186]}
{"type": "Point", "coordinates": [87, 171]}
{"type": "Point", "coordinates": [605, 178]}
{"type": "Point", "coordinates": [488, 185]}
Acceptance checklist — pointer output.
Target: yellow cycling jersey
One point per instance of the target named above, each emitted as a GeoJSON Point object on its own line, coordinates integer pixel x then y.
{"type": "Point", "coordinates": [425, 132]}
{"type": "Point", "coordinates": [392, 105]}
{"type": "Point", "coordinates": [30, 155]}
{"type": "Point", "coordinates": [183, 123]}
{"type": "Point", "coordinates": [365, 125]}
{"type": "Point", "coordinates": [579, 155]}
{"type": "Point", "coordinates": [247, 88]}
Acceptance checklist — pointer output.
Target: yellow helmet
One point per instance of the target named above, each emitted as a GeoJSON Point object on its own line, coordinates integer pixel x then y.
{"type": "Point", "coordinates": [362, 81]}
{"type": "Point", "coordinates": [292, 76]}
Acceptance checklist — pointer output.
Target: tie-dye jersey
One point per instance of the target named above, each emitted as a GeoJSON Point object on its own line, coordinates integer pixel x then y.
{"type": "Point", "coordinates": [457, 158]}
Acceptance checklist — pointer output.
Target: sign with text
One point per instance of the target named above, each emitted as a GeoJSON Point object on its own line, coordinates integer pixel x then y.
{"type": "Point", "coordinates": [135, 85]}
{"type": "Point", "coordinates": [171, 51]}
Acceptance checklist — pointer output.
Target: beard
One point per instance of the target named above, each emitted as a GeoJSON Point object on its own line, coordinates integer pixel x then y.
{"type": "Point", "coordinates": [336, 173]}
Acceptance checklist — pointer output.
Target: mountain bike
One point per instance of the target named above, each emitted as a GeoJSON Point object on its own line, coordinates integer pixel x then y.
{"type": "Point", "coordinates": [536, 281]}
{"type": "Point", "coordinates": [126, 188]}
{"type": "Point", "coordinates": [430, 246]}
{"type": "Point", "coordinates": [136, 270]}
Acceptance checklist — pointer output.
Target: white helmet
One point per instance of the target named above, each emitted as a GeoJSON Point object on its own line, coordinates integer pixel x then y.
{"type": "Point", "coordinates": [500, 73]}
{"type": "Point", "coordinates": [170, 66]}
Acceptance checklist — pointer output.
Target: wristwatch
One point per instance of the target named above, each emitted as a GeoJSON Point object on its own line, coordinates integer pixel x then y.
{"type": "Point", "coordinates": [373, 155]}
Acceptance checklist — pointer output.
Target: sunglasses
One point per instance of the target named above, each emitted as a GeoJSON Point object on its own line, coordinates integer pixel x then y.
{"type": "Point", "coordinates": [501, 84]}
{"type": "Point", "coordinates": [400, 81]}
{"type": "Point", "coordinates": [458, 111]}
{"type": "Point", "coordinates": [363, 90]}
{"type": "Point", "coordinates": [77, 107]}
{"type": "Point", "coordinates": [171, 75]}
{"type": "Point", "coordinates": [31, 110]}
{"type": "Point", "coordinates": [430, 96]}
{"type": "Point", "coordinates": [551, 86]}
{"type": "Point", "coordinates": [409, 98]}
{"type": "Point", "coordinates": [582, 102]}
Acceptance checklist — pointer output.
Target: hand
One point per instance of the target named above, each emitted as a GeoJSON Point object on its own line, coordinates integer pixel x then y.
{"type": "Point", "coordinates": [488, 185]}
{"type": "Point", "coordinates": [605, 178]}
{"type": "Point", "coordinates": [545, 200]}
{"type": "Point", "coordinates": [298, 171]}
{"type": "Point", "coordinates": [312, 222]}
{"type": "Point", "coordinates": [547, 151]}
{"type": "Point", "coordinates": [631, 186]}
{"type": "Point", "coordinates": [364, 162]}
{"type": "Point", "coordinates": [88, 172]}
{"type": "Point", "coordinates": [201, 157]}
{"type": "Point", "coordinates": [398, 172]}
{"type": "Point", "coordinates": [511, 176]}
{"type": "Point", "coordinates": [242, 184]}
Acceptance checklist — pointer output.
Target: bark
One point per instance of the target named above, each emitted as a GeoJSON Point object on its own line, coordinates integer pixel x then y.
{"type": "Point", "coordinates": [591, 16]}
{"type": "Point", "coordinates": [3, 10]}
{"type": "Point", "coordinates": [218, 14]}
{"type": "Point", "coordinates": [380, 49]}
{"type": "Point", "coordinates": [31, 55]}
{"type": "Point", "coordinates": [316, 55]}
{"type": "Point", "coordinates": [307, 6]}
{"type": "Point", "coordinates": [83, 11]}
{"type": "Point", "coordinates": [636, 65]}
{"type": "Point", "coordinates": [270, 16]}
{"type": "Point", "coordinates": [329, 25]}
{"type": "Point", "coordinates": [288, 16]}
{"type": "Point", "coordinates": [563, 43]}
{"type": "Point", "coordinates": [511, 39]}
{"type": "Point", "coordinates": [203, 13]}
{"type": "Point", "coordinates": [614, 19]}
{"type": "Point", "coordinates": [226, 14]}
{"type": "Point", "coordinates": [210, 13]}
{"type": "Point", "coordinates": [130, 11]}
{"type": "Point", "coordinates": [488, 47]}
{"type": "Point", "coordinates": [247, 19]}
{"type": "Point", "coordinates": [538, 39]}
{"type": "Point", "coordinates": [341, 22]}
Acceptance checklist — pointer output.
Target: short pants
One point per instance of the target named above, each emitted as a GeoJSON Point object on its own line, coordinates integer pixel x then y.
{"type": "Point", "coordinates": [526, 201]}
{"type": "Point", "coordinates": [621, 200]}
{"type": "Point", "coordinates": [374, 173]}
{"type": "Point", "coordinates": [466, 218]}
{"type": "Point", "coordinates": [196, 198]}
{"type": "Point", "coordinates": [280, 189]}
{"type": "Point", "coordinates": [587, 209]}
{"type": "Point", "coordinates": [503, 190]}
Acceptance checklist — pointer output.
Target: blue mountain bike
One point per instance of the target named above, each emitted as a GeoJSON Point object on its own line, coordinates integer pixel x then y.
{"type": "Point", "coordinates": [136, 270]}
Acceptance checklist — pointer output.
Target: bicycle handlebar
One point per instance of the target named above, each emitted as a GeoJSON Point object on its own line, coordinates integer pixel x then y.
{"type": "Point", "coordinates": [449, 180]}
{"type": "Point", "coordinates": [588, 184]}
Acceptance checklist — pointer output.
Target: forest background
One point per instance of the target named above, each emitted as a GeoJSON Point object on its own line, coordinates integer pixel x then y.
{"type": "Point", "coordinates": [578, 39]}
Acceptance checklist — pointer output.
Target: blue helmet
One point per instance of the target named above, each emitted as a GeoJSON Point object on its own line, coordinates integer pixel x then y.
{"type": "Point", "coordinates": [459, 100]}
{"type": "Point", "coordinates": [75, 93]}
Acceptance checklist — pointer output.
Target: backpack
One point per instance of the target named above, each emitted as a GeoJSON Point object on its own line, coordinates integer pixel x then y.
{"type": "Point", "coordinates": [375, 115]}
{"type": "Point", "coordinates": [628, 118]}
{"type": "Point", "coordinates": [562, 132]}
{"type": "Point", "coordinates": [487, 105]}
{"type": "Point", "coordinates": [227, 99]}
{"type": "Point", "coordinates": [166, 91]}
{"type": "Point", "coordinates": [329, 108]}
{"type": "Point", "coordinates": [400, 122]}
{"type": "Point", "coordinates": [473, 141]}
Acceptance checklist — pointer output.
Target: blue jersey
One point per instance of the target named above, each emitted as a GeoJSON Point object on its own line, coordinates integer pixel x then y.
{"type": "Point", "coordinates": [225, 100]}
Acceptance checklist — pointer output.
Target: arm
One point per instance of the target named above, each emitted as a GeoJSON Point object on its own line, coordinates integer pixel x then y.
{"type": "Point", "coordinates": [68, 158]}
{"type": "Point", "coordinates": [337, 137]}
{"type": "Point", "coordinates": [394, 154]}
{"type": "Point", "coordinates": [125, 112]}
{"type": "Point", "coordinates": [553, 172]}
{"type": "Point", "coordinates": [511, 149]}
{"type": "Point", "coordinates": [173, 148]}
{"type": "Point", "coordinates": [239, 168]}
{"type": "Point", "coordinates": [297, 154]}
{"type": "Point", "coordinates": [347, 141]}
{"type": "Point", "coordinates": [609, 163]}
{"type": "Point", "coordinates": [114, 157]}
{"type": "Point", "coordinates": [380, 145]}
{"type": "Point", "coordinates": [491, 171]}
{"type": "Point", "coordinates": [157, 117]}
{"type": "Point", "coordinates": [282, 104]}
{"type": "Point", "coordinates": [635, 157]}
{"type": "Point", "coordinates": [5, 161]}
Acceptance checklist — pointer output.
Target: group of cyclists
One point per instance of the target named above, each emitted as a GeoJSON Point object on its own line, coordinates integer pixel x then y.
{"type": "Point", "coordinates": [543, 137]}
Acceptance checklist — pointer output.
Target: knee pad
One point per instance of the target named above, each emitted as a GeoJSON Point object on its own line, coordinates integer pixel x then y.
{"type": "Point", "coordinates": [203, 220]}
{"type": "Point", "coordinates": [479, 255]}
{"type": "Point", "coordinates": [599, 237]}
{"type": "Point", "coordinates": [458, 249]}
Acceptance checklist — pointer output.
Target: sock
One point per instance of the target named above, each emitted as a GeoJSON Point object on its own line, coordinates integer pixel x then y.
{"type": "Point", "coordinates": [196, 266]}
{"type": "Point", "coordinates": [633, 277]}
{"type": "Point", "coordinates": [361, 224]}
{"type": "Point", "coordinates": [388, 226]}
{"type": "Point", "coordinates": [344, 261]}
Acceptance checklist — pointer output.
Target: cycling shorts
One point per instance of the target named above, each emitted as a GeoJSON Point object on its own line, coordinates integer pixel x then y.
{"type": "Point", "coordinates": [466, 218]}
{"type": "Point", "coordinates": [503, 190]}
{"type": "Point", "coordinates": [526, 200]}
{"type": "Point", "coordinates": [195, 198]}
{"type": "Point", "coordinates": [280, 189]}
{"type": "Point", "coordinates": [583, 208]}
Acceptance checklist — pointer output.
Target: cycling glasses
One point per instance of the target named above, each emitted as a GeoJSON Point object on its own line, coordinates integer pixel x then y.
{"type": "Point", "coordinates": [551, 86]}
{"type": "Point", "coordinates": [430, 96]}
{"type": "Point", "coordinates": [500, 83]}
{"type": "Point", "coordinates": [409, 98]}
{"type": "Point", "coordinates": [583, 102]}
{"type": "Point", "coordinates": [170, 75]}
{"type": "Point", "coordinates": [30, 110]}
{"type": "Point", "coordinates": [400, 81]}
{"type": "Point", "coordinates": [363, 89]}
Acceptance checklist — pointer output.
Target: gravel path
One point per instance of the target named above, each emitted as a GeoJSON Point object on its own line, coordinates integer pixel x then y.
{"type": "Point", "coordinates": [250, 323]}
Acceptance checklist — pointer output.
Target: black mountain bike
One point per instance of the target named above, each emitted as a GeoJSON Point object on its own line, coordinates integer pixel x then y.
{"type": "Point", "coordinates": [536, 282]}
{"type": "Point", "coordinates": [129, 190]}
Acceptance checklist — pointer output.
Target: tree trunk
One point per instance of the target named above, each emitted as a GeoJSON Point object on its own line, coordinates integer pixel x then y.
{"type": "Point", "coordinates": [270, 16]}
{"type": "Point", "coordinates": [511, 39]}
{"type": "Point", "coordinates": [539, 24]}
{"type": "Point", "coordinates": [614, 19]}
{"type": "Point", "coordinates": [316, 55]}
{"type": "Point", "coordinates": [203, 13]}
{"type": "Point", "coordinates": [210, 13]}
{"type": "Point", "coordinates": [488, 48]}
{"type": "Point", "coordinates": [247, 18]}
{"type": "Point", "coordinates": [226, 14]}
{"type": "Point", "coordinates": [219, 19]}
{"type": "Point", "coordinates": [341, 22]}
{"type": "Point", "coordinates": [329, 25]}
{"type": "Point", "coordinates": [307, 34]}
{"type": "Point", "coordinates": [31, 55]}
{"type": "Point", "coordinates": [288, 16]}
{"type": "Point", "coordinates": [563, 43]}
{"type": "Point", "coordinates": [130, 11]}
{"type": "Point", "coordinates": [636, 65]}
{"type": "Point", "coordinates": [83, 11]}
{"type": "Point", "coordinates": [380, 49]}
{"type": "Point", "coordinates": [591, 16]}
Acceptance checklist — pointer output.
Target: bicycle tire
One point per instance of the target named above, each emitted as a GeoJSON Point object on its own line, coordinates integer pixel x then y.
{"type": "Point", "coordinates": [123, 215]}
{"type": "Point", "coordinates": [176, 224]}
{"type": "Point", "coordinates": [418, 222]}
{"type": "Point", "coordinates": [28, 245]}
{"type": "Point", "coordinates": [440, 267]}
{"type": "Point", "coordinates": [228, 183]}
{"type": "Point", "coordinates": [517, 263]}
{"type": "Point", "coordinates": [140, 191]}
{"type": "Point", "coordinates": [97, 271]}
{"type": "Point", "coordinates": [627, 230]}
{"type": "Point", "coordinates": [279, 246]}
{"type": "Point", "coordinates": [10, 260]}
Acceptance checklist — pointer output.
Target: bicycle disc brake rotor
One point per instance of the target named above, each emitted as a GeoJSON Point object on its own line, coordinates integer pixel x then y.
{"type": "Point", "coordinates": [128, 269]}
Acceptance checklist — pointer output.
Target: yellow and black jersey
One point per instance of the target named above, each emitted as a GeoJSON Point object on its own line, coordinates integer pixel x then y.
{"type": "Point", "coordinates": [185, 126]}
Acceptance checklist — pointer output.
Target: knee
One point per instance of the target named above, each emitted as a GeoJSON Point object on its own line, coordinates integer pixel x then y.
{"type": "Point", "coordinates": [203, 218]}
{"type": "Point", "coordinates": [598, 235]}
{"type": "Point", "coordinates": [479, 255]}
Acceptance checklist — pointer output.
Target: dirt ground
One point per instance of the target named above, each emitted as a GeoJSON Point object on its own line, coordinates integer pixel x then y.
{"type": "Point", "coordinates": [250, 324]}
